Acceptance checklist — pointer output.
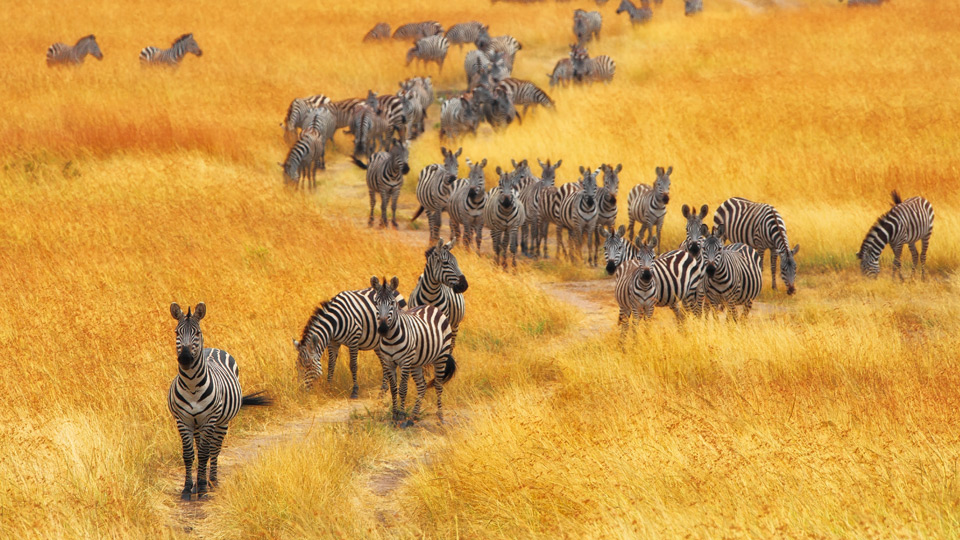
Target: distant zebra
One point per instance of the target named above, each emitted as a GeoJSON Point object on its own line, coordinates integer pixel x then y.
{"type": "Point", "coordinates": [203, 398]}
{"type": "Point", "coordinates": [586, 69]}
{"type": "Point", "coordinates": [496, 107]}
{"type": "Point", "coordinates": [465, 32]}
{"type": "Point", "coordinates": [541, 220]}
{"type": "Point", "coordinates": [504, 215]}
{"type": "Point", "coordinates": [378, 32]}
{"type": "Point", "coordinates": [172, 56]}
{"type": "Point", "coordinates": [524, 93]}
{"type": "Point", "coordinates": [692, 7]}
{"type": "Point", "coordinates": [648, 205]}
{"type": "Point", "coordinates": [638, 15]}
{"type": "Point", "coordinates": [562, 72]}
{"type": "Point", "coordinates": [550, 203]}
{"type": "Point", "coordinates": [732, 274]}
{"type": "Point", "coordinates": [466, 205]}
{"type": "Point", "coordinates": [857, 3]}
{"type": "Point", "coordinates": [430, 49]}
{"type": "Point", "coordinates": [606, 205]}
{"type": "Point", "coordinates": [507, 46]}
{"type": "Point", "coordinates": [483, 70]}
{"type": "Point", "coordinates": [391, 108]}
{"type": "Point", "coordinates": [586, 25]}
{"type": "Point", "coordinates": [418, 96]}
{"type": "Point", "coordinates": [299, 162]}
{"type": "Point", "coordinates": [385, 176]}
{"type": "Point", "coordinates": [409, 341]}
{"type": "Point", "coordinates": [458, 116]}
{"type": "Point", "coordinates": [416, 31]}
{"type": "Point", "coordinates": [760, 226]}
{"type": "Point", "coordinates": [442, 285]}
{"type": "Point", "coordinates": [62, 54]}
{"type": "Point", "coordinates": [578, 214]}
{"type": "Point", "coordinates": [905, 223]}
{"type": "Point", "coordinates": [434, 188]}
{"type": "Point", "coordinates": [297, 113]}
{"type": "Point", "coordinates": [349, 318]}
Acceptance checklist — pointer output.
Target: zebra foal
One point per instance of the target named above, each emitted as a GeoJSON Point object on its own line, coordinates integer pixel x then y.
{"type": "Point", "coordinates": [61, 54]}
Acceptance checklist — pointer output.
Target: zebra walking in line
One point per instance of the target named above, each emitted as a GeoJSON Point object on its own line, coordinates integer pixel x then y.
{"type": "Point", "coordinates": [419, 30]}
{"type": "Point", "coordinates": [524, 93]}
{"type": "Point", "coordinates": [466, 205]}
{"type": "Point", "coordinates": [562, 72]}
{"type": "Point", "coordinates": [692, 7]}
{"type": "Point", "coordinates": [299, 162]}
{"type": "Point", "coordinates": [586, 25]}
{"type": "Point", "coordinates": [648, 205]}
{"type": "Point", "coordinates": [535, 203]}
{"type": "Point", "coordinates": [429, 49]}
{"type": "Point", "coordinates": [578, 214]}
{"type": "Point", "coordinates": [606, 205]}
{"type": "Point", "coordinates": [467, 32]}
{"type": "Point", "coordinates": [458, 116]}
{"type": "Point", "coordinates": [172, 56]}
{"type": "Point", "coordinates": [732, 274]}
{"type": "Point", "coordinates": [349, 318]}
{"type": "Point", "coordinates": [385, 176]}
{"type": "Point", "coordinates": [61, 54]}
{"type": "Point", "coordinates": [760, 226]}
{"type": "Point", "coordinates": [297, 114]}
{"type": "Point", "coordinates": [504, 215]}
{"type": "Point", "coordinates": [378, 32]}
{"type": "Point", "coordinates": [442, 285]}
{"type": "Point", "coordinates": [203, 398]}
{"type": "Point", "coordinates": [638, 15]}
{"type": "Point", "coordinates": [906, 223]}
{"type": "Point", "coordinates": [586, 69]}
{"type": "Point", "coordinates": [434, 188]}
{"type": "Point", "coordinates": [411, 340]}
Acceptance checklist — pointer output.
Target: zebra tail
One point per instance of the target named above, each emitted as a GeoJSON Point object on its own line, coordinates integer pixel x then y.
{"type": "Point", "coordinates": [417, 213]}
{"type": "Point", "coordinates": [896, 197]}
{"type": "Point", "coordinates": [256, 399]}
{"type": "Point", "coordinates": [358, 163]}
{"type": "Point", "coordinates": [450, 367]}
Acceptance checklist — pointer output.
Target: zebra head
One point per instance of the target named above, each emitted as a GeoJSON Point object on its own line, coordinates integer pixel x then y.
{"type": "Point", "coordinates": [189, 336]}
{"type": "Point", "coordinates": [611, 181]}
{"type": "Point", "coordinates": [522, 172]}
{"type": "Point", "coordinates": [89, 46]}
{"type": "Point", "coordinates": [614, 248]}
{"type": "Point", "coordinates": [450, 163]}
{"type": "Point", "coordinates": [508, 188]}
{"type": "Point", "coordinates": [646, 256]}
{"type": "Point", "coordinates": [475, 180]}
{"type": "Point", "coordinates": [400, 155]}
{"type": "Point", "coordinates": [580, 28]}
{"type": "Point", "coordinates": [625, 5]}
{"type": "Point", "coordinates": [188, 45]}
{"type": "Point", "coordinates": [309, 367]}
{"type": "Point", "coordinates": [385, 303]}
{"type": "Point", "coordinates": [589, 182]}
{"type": "Point", "coordinates": [662, 185]}
{"type": "Point", "coordinates": [549, 174]}
{"type": "Point", "coordinates": [712, 249]}
{"type": "Point", "coordinates": [788, 268]}
{"type": "Point", "coordinates": [696, 230]}
{"type": "Point", "coordinates": [483, 38]}
{"type": "Point", "coordinates": [442, 267]}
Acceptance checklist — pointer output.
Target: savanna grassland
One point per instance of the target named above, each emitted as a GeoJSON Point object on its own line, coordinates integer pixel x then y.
{"type": "Point", "coordinates": [832, 414]}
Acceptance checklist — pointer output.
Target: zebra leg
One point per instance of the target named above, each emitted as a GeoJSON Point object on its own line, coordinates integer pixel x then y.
{"type": "Point", "coordinates": [219, 433]}
{"type": "Point", "coordinates": [391, 375]}
{"type": "Point", "coordinates": [203, 456]}
{"type": "Point", "coordinates": [455, 232]}
{"type": "Point", "coordinates": [186, 437]}
{"type": "Point", "coordinates": [355, 392]}
{"type": "Point", "coordinates": [479, 236]}
{"type": "Point", "coordinates": [560, 248]}
{"type": "Point", "coordinates": [333, 350]}
{"type": "Point", "coordinates": [404, 377]}
{"type": "Point", "coordinates": [513, 245]}
{"type": "Point", "coordinates": [897, 251]}
{"type": "Point", "coordinates": [496, 245]}
{"type": "Point", "coordinates": [436, 220]}
{"type": "Point", "coordinates": [916, 258]}
{"type": "Point", "coordinates": [373, 204]}
{"type": "Point", "coordinates": [924, 242]}
{"type": "Point", "coordinates": [773, 267]}
{"type": "Point", "coordinates": [544, 233]}
{"type": "Point", "coordinates": [676, 310]}
{"type": "Point", "coordinates": [384, 201]}
{"type": "Point", "coordinates": [747, 306]}
{"type": "Point", "coordinates": [393, 204]}
{"type": "Point", "coordinates": [524, 245]}
{"type": "Point", "coordinates": [439, 388]}
{"type": "Point", "coordinates": [418, 379]}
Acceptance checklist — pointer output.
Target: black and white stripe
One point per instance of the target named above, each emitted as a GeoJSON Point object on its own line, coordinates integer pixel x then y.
{"type": "Point", "coordinates": [458, 116]}
{"type": "Point", "coordinates": [648, 205]}
{"type": "Point", "coordinates": [434, 188]}
{"type": "Point", "coordinates": [504, 215]}
{"type": "Point", "coordinates": [506, 46]}
{"type": "Point", "coordinates": [172, 56]}
{"type": "Point", "coordinates": [562, 72]}
{"type": "Point", "coordinates": [203, 398]}
{"type": "Point", "coordinates": [606, 205]}
{"type": "Point", "coordinates": [524, 93]}
{"type": "Point", "coordinates": [442, 285]}
{"type": "Point", "coordinates": [466, 205]}
{"type": "Point", "coordinates": [586, 25]}
{"type": "Point", "coordinates": [586, 69]}
{"type": "Point", "coordinates": [732, 274]}
{"type": "Point", "coordinates": [297, 114]}
{"type": "Point", "coordinates": [300, 161]}
{"type": "Point", "coordinates": [369, 127]}
{"type": "Point", "coordinates": [638, 15]}
{"type": "Point", "coordinates": [385, 176]}
{"type": "Point", "coordinates": [429, 49]}
{"type": "Point", "coordinates": [636, 285]}
{"type": "Point", "coordinates": [63, 54]}
{"type": "Point", "coordinates": [578, 215]}
{"type": "Point", "coordinates": [416, 31]}
{"type": "Point", "coordinates": [529, 186]}
{"type": "Point", "coordinates": [906, 223]}
{"type": "Point", "coordinates": [467, 32]}
{"type": "Point", "coordinates": [538, 196]}
{"type": "Point", "coordinates": [496, 107]}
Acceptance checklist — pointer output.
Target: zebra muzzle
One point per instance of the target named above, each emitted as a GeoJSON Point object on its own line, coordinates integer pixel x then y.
{"type": "Point", "coordinates": [382, 328]}
{"type": "Point", "coordinates": [611, 267]}
{"type": "Point", "coordinates": [461, 284]}
{"type": "Point", "coordinates": [711, 270]}
{"type": "Point", "coordinates": [791, 289]}
{"type": "Point", "coordinates": [665, 198]}
{"type": "Point", "coordinates": [646, 274]}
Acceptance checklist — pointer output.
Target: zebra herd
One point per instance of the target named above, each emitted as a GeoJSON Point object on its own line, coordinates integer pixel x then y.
{"type": "Point", "coordinates": [61, 54]}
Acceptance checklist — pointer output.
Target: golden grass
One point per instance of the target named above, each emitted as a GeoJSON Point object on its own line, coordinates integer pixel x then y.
{"type": "Point", "coordinates": [827, 414]}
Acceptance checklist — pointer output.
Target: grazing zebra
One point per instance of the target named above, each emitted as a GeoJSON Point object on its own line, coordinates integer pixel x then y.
{"type": "Point", "coordinates": [416, 31]}
{"type": "Point", "coordinates": [524, 93]}
{"type": "Point", "coordinates": [905, 223]}
{"type": "Point", "coordinates": [503, 215]}
{"type": "Point", "coordinates": [760, 226]}
{"type": "Point", "coordinates": [172, 56]}
{"type": "Point", "coordinates": [297, 113]}
{"type": "Point", "coordinates": [430, 49]}
{"type": "Point", "coordinates": [434, 188]}
{"type": "Point", "coordinates": [636, 286]}
{"type": "Point", "coordinates": [442, 285]}
{"type": "Point", "coordinates": [203, 398]}
{"type": "Point", "coordinates": [578, 214]}
{"type": "Point", "coordinates": [380, 31]}
{"type": "Point", "coordinates": [648, 204]}
{"type": "Point", "coordinates": [466, 205]}
{"type": "Point", "coordinates": [385, 176]}
{"type": "Point", "coordinates": [410, 340]}
{"type": "Point", "coordinates": [692, 7]}
{"type": "Point", "coordinates": [467, 32]}
{"type": "Point", "coordinates": [320, 128]}
{"type": "Point", "coordinates": [322, 121]}
{"type": "Point", "coordinates": [562, 72]}
{"type": "Point", "coordinates": [606, 205]}
{"type": "Point", "coordinates": [458, 116]}
{"type": "Point", "coordinates": [299, 162]}
{"type": "Point", "coordinates": [63, 54]}
{"type": "Point", "coordinates": [349, 318]}
{"type": "Point", "coordinates": [586, 69]}
{"type": "Point", "coordinates": [732, 274]}
{"type": "Point", "coordinates": [638, 15]}
{"type": "Point", "coordinates": [586, 25]}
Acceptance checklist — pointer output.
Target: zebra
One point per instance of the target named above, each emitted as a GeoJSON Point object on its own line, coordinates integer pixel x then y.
{"type": "Point", "coordinates": [467, 32]}
{"type": "Point", "coordinates": [458, 116]}
{"type": "Point", "coordinates": [297, 113]}
{"type": "Point", "coordinates": [496, 107]}
{"type": "Point", "coordinates": [369, 126]}
{"type": "Point", "coordinates": [417, 94]}
{"type": "Point", "coordinates": [349, 318]}
{"type": "Point", "coordinates": [416, 31]}
{"type": "Point", "coordinates": [578, 214]}
{"type": "Point", "coordinates": [586, 25]}
{"type": "Point", "coordinates": [507, 46]}
{"type": "Point", "coordinates": [562, 72]}
{"type": "Point", "coordinates": [442, 285]}
{"type": "Point", "coordinates": [732, 274]}
{"type": "Point", "coordinates": [391, 108]}
{"type": "Point", "coordinates": [434, 188]}
{"type": "Point", "coordinates": [606, 204]}
{"type": "Point", "coordinates": [322, 121]}
{"type": "Point", "coordinates": [385, 176]}
{"type": "Point", "coordinates": [692, 7]}
{"type": "Point", "coordinates": [467, 203]}
{"type": "Point", "coordinates": [504, 215]}
{"type": "Point", "coordinates": [760, 226]}
{"type": "Point", "coordinates": [636, 287]}
{"type": "Point", "coordinates": [550, 196]}
{"type": "Point", "coordinates": [695, 228]}
{"type": "Point", "coordinates": [586, 69]}
{"type": "Point", "coordinates": [638, 15]}
{"type": "Point", "coordinates": [172, 56]}
{"type": "Point", "coordinates": [430, 49]}
{"type": "Point", "coordinates": [378, 32]}
{"type": "Point", "coordinates": [529, 186]}
{"type": "Point", "coordinates": [482, 70]}
{"type": "Point", "coordinates": [550, 204]}
{"type": "Point", "coordinates": [60, 54]}
{"type": "Point", "coordinates": [524, 93]}
{"type": "Point", "coordinates": [540, 219]}
{"type": "Point", "coordinates": [320, 128]}
{"type": "Point", "coordinates": [345, 110]}
{"type": "Point", "coordinates": [204, 396]}
{"type": "Point", "coordinates": [905, 223]}
{"type": "Point", "coordinates": [411, 340]}
{"type": "Point", "coordinates": [299, 162]}
{"type": "Point", "coordinates": [648, 205]}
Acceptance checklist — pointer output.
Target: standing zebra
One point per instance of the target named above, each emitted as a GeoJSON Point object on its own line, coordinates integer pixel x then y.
{"type": "Point", "coordinates": [503, 215]}
{"type": "Point", "coordinates": [648, 205]}
{"type": "Point", "coordinates": [378, 32]}
{"type": "Point", "coordinates": [905, 223]}
{"type": "Point", "coordinates": [638, 15]}
{"type": "Point", "coordinates": [434, 188]}
{"type": "Point", "coordinates": [507, 46]}
{"type": "Point", "coordinates": [732, 274]}
{"type": "Point", "coordinates": [578, 214]}
{"type": "Point", "coordinates": [496, 107]}
{"type": "Point", "coordinates": [430, 49]}
{"type": "Point", "coordinates": [550, 202]}
{"type": "Point", "coordinates": [692, 7]}
{"type": "Point", "coordinates": [546, 185]}
{"type": "Point", "coordinates": [586, 25]}
{"type": "Point", "coordinates": [524, 93]}
{"type": "Point", "coordinates": [297, 113]}
{"type": "Point", "coordinates": [299, 160]}
{"type": "Point", "coordinates": [345, 110]}
{"type": "Point", "coordinates": [410, 340]}
{"type": "Point", "coordinates": [385, 176]}
{"type": "Point", "coordinates": [529, 186]}
{"type": "Point", "coordinates": [465, 32]}
{"type": "Point", "coordinates": [349, 318]}
{"type": "Point", "coordinates": [466, 205]}
{"type": "Point", "coordinates": [606, 204]}
{"type": "Point", "coordinates": [172, 56]}
{"type": "Point", "coordinates": [760, 226]}
{"type": "Point", "coordinates": [61, 54]}
{"type": "Point", "coordinates": [636, 288]}
{"type": "Point", "coordinates": [562, 72]}
{"type": "Point", "coordinates": [391, 109]}
{"type": "Point", "coordinates": [457, 116]}
{"type": "Point", "coordinates": [416, 31]}
{"type": "Point", "coordinates": [369, 127]}
{"type": "Point", "coordinates": [203, 398]}
{"type": "Point", "coordinates": [442, 285]}
{"type": "Point", "coordinates": [586, 69]}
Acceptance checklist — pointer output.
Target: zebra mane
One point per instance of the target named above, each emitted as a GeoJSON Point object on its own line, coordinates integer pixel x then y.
{"type": "Point", "coordinates": [183, 38]}
{"type": "Point", "coordinates": [430, 251]}
{"type": "Point", "coordinates": [318, 314]}
{"type": "Point", "coordinates": [84, 38]}
{"type": "Point", "coordinates": [896, 197]}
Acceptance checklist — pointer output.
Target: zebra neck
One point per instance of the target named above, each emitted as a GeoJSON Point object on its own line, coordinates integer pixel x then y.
{"type": "Point", "coordinates": [430, 289]}
{"type": "Point", "coordinates": [194, 378]}
{"type": "Point", "coordinates": [322, 328]}
{"type": "Point", "coordinates": [876, 240]}
{"type": "Point", "coordinates": [179, 51]}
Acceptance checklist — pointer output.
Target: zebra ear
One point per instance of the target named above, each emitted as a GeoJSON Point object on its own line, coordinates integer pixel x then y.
{"type": "Point", "coordinates": [606, 233]}
{"type": "Point", "coordinates": [483, 163]}
{"type": "Point", "coordinates": [619, 167]}
{"type": "Point", "coordinates": [859, 256]}
{"type": "Point", "coordinates": [622, 231]}
{"type": "Point", "coordinates": [704, 230]}
{"type": "Point", "coordinates": [459, 151]}
{"type": "Point", "coordinates": [514, 163]}
{"type": "Point", "coordinates": [659, 171]}
{"type": "Point", "coordinates": [669, 170]}
{"type": "Point", "coordinates": [200, 311]}
{"type": "Point", "coordinates": [718, 231]}
{"type": "Point", "coordinates": [499, 171]}
{"type": "Point", "coordinates": [394, 283]}
{"type": "Point", "coordinates": [557, 164]}
{"type": "Point", "coordinates": [582, 170]}
{"type": "Point", "coordinates": [652, 243]}
{"type": "Point", "coordinates": [703, 211]}
{"type": "Point", "coordinates": [175, 311]}
{"type": "Point", "coordinates": [375, 283]}
{"type": "Point", "coordinates": [795, 249]}
{"type": "Point", "coordinates": [450, 245]}
{"type": "Point", "coordinates": [440, 243]}
{"type": "Point", "coordinates": [685, 211]}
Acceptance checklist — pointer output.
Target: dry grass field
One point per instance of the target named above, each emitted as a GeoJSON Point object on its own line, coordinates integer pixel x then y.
{"type": "Point", "coordinates": [831, 414]}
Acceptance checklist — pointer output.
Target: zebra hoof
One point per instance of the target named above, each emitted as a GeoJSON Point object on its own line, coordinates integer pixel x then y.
{"type": "Point", "coordinates": [185, 494]}
{"type": "Point", "coordinates": [355, 394]}
{"type": "Point", "coordinates": [405, 424]}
